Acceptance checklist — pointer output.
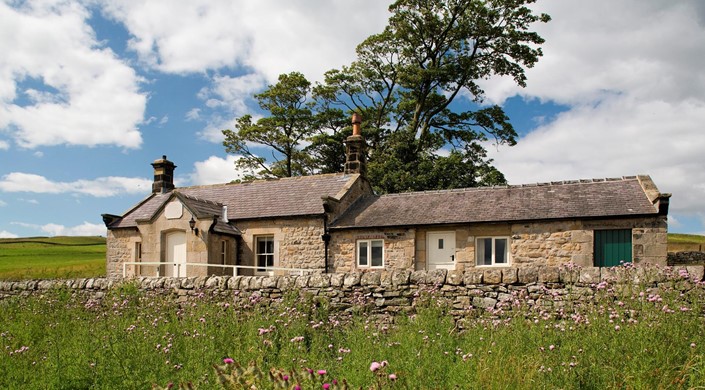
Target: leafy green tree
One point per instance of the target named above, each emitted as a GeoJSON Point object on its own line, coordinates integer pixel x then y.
{"type": "Point", "coordinates": [406, 80]}
{"type": "Point", "coordinates": [290, 122]}
{"type": "Point", "coordinates": [405, 83]}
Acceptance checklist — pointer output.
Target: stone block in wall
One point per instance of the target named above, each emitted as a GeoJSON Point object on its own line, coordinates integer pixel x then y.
{"type": "Point", "coordinates": [569, 274]}
{"type": "Point", "coordinates": [42, 285]}
{"type": "Point", "coordinates": [385, 279]}
{"type": "Point", "coordinates": [286, 282]}
{"type": "Point", "coordinates": [213, 282]}
{"type": "Point", "coordinates": [186, 284]}
{"type": "Point", "coordinates": [549, 275]}
{"type": "Point", "coordinates": [509, 275]}
{"type": "Point", "coordinates": [336, 280]}
{"type": "Point", "coordinates": [255, 283]}
{"type": "Point", "coordinates": [484, 302]}
{"type": "Point", "coordinates": [400, 278]}
{"type": "Point", "coordinates": [418, 277]}
{"type": "Point", "coordinates": [234, 283]}
{"type": "Point", "coordinates": [526, 275]}
{"type": "Point", "coordinates": [302, 281]}
{"type": "Point", "coordinates": [589, 275]}
{"type": "Point", "coordinates": [437, 276]}
{"type": "Point", "coordinates": [492, 276]}
{"type": "Point", "coordinates": [351, 280]}
{"type": "Point", "coordinates": [696, 272]}
{"type": "Point", "coordinates": [370, 279]}
{"type": "Point", "coordinates": [199, 282]}
{"type": "Point", "coordinates": [269, 282]}
{"type": "Point", "coordinates": [319, 281]}
{"type": "Point", "coordinates": [454, 278]}
{"type": "Point", "coordinates": [472, 277]}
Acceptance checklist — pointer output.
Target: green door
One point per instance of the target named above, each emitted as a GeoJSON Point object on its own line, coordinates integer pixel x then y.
{"type": "Point", "coordinates": [613, 247]}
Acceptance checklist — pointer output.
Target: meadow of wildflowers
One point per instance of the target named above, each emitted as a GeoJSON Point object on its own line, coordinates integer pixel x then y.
{"type": "Point", "coordinates": [622, 338]}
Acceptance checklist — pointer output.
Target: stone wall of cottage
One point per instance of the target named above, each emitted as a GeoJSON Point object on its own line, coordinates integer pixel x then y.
{"type": "Point", "coordinates": [398, 249]}
{"type": "Point", "coordinates": [120, 248]}
{"type": "Point", "coordinates": [297, 242]}
{"type": "Point", "coordinates": [543, 287]}
{"type": "Point", "coordinates": [200, 247]}
{"type": "Point", "coordinates": [536, 243]}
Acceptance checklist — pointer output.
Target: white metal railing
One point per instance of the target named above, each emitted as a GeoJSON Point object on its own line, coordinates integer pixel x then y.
{"type": "Point", "coordinates": [235, 268]}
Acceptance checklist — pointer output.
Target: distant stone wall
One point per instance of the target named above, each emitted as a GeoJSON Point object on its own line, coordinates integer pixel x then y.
{"type": "Point", "coordinates": [391, 292]}
{"type": "Point", "coordinates": [686, 258]}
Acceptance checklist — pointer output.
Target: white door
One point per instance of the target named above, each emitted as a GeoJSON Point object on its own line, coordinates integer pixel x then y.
{"type": "Point", "coordinates": [440, 250]}
{"type": "Point", "coordinates": [176, 253]}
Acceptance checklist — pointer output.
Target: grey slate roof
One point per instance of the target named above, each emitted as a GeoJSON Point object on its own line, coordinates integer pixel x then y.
{"type": "Point", "coordinates": [288, 197]}
{"type": "Point", "coordinates": [557, 200]}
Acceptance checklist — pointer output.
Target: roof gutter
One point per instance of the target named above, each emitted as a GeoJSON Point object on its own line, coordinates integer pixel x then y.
{"type": "Point", "coordinates": [519, 221]}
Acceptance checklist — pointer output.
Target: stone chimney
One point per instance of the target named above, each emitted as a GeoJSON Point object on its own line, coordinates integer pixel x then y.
{"type": "Point", "coordinates": [355, 149]}
{"type": "Point", "coordinates": [163, 176]}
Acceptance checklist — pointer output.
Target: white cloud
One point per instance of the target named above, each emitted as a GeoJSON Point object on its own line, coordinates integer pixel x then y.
{"type": "Point", "coordinates": [216, 170]}
{"type": "Point", "coordinates": [631, 75]}
{"type": "Point", "coordinates": [6, 234]}
{"type": "Point", "coordinates": [52, 229]}
{"type": "Point", "coordinates": [100, 187]}
{"type": "Point", "coordinates": [79, 92]}
{"type": "Point", "coordinates": [164, 120]}
{"type": "Point", "coordinates": [4, 145]}
{"type": "Point", "coordinates": [193, 114]}
{"type": "Point", "coordinates": [271, 37]}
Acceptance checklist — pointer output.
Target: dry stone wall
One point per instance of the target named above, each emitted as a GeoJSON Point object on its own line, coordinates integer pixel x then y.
{"type": "Point", "coordinates": [393, 292]}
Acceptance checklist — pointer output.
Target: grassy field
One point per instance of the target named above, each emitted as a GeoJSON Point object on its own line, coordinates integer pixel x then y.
{"type": "Point", "coordinates": [52, 257]}
{"type": "Point", "coordinates": [636, 339]}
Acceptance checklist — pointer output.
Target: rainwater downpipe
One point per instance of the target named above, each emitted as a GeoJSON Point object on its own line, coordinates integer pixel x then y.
{"type": "Point", "coordinates": [326, 239]}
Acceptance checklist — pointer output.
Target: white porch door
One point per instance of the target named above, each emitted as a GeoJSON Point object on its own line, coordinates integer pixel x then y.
{"type": "Point", "coordinates": [440, 250]}
{"type": "Point", "coordinates": [176, 253]}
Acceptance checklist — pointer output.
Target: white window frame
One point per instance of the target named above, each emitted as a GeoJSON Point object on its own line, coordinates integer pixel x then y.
{"type": "Point", "coordinates": [494, 240]}
{"type": "Point", "coordinates": [261, 271]}
{"type": "Point", "coordinates": [368, 253]}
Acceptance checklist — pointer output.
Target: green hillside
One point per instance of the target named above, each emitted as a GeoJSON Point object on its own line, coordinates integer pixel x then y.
{"type": "Point", "coordinates": [52, 257]}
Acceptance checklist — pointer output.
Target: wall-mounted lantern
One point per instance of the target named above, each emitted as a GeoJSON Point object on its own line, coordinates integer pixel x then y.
{"type": "Point", "coordinates": [192, 225]}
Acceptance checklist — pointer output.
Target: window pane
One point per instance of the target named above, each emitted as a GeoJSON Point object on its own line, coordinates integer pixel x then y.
{"type": "Point", "coordinates": [484, 251]}
{"type": "Point", "coordinates": [377, 251]}
{"type": "Point", "coordinates": [500, 248]}
{"type": "Point", "coordinates": [440, 243]}
{"type": "Point", "coordinates": [362, 253]}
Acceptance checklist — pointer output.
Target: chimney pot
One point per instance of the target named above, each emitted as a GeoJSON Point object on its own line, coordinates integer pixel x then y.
{"type": "Point", "coordinates": [356, 121]}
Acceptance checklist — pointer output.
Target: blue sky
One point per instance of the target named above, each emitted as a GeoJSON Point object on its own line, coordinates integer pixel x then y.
{"type": "Point", "coordinates": [91, 92]}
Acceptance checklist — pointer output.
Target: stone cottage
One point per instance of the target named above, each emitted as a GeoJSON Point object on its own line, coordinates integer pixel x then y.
{"type": "Point", "coordinates": [335, 223]}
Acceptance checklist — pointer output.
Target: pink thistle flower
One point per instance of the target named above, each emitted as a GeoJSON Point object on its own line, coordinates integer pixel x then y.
{"type": "Point", "coordinates": [285, 378]}
{"type": "Point", "coordinates": [326, 386]}
{"type": "Point", "coordinates": [297, 387]}
{"type": "Point", "coordinates": [322, 372]}
{"type": "Point", "coordinates": [392, 377]}
{"type": "Point", "coordinates": [692, 345]}
{"type": "Point", "coordinates": [228, 361]}
{"type": "Point", "coordinates": [551, 347]}
{"type": "Point", "coordinates": [617, 327]}
{"type": "Point", "coordinates": [375, 366]}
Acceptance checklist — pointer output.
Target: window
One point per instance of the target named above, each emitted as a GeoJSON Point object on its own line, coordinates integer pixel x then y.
{"type": "Point", "coordinates": [613, 247]}
{"type": "Point", "coordinates": [492, 251]}
{"type": "Point", "coordinates": [223, 252]}
{"type": "Point", "coordinates": [264, 252]}
{"type": "Point", "coordinates": [138, 251]}
{"type": "Point", "coordinates": [370, 253]}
